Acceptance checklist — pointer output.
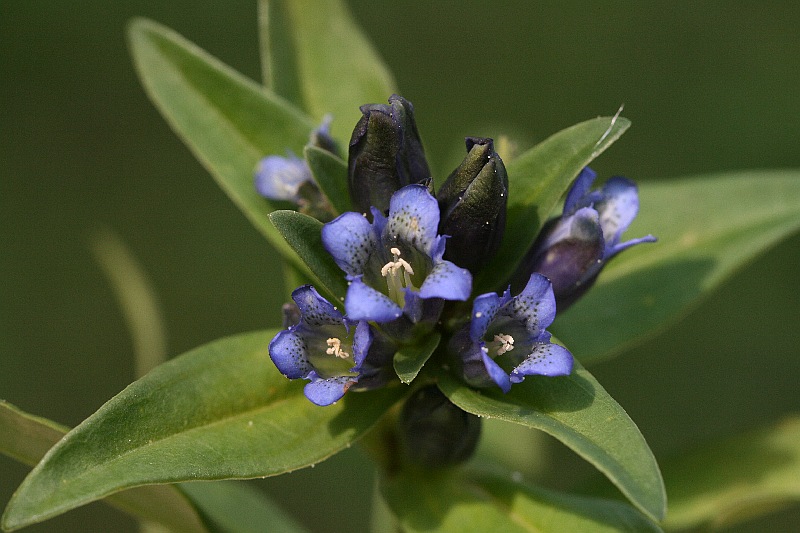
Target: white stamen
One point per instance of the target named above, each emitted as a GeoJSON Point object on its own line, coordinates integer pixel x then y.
{"type": "Point", "coordinates": [506, 343]}
{"type": "Point", "coordinates": [335, 348]}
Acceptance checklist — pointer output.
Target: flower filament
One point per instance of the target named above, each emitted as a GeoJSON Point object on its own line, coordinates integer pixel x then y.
{"type": "Point", "coordinates": [398, 276]}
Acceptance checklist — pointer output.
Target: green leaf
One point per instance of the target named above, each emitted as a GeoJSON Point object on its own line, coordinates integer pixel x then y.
{"type": "Point", "coordinates": [303, 234]}
{"type": "Point", "coordinates": [227, 121]}
{"type": "Point", "coordinates": [330, 173]}
{"type": "Point", "coordinates": [27, 438]}
{"type": "Point", "coordinates": [318, 58]}
{"type": "Point", "coordinates": [707, 227]}
{"type": "Point", "coordinates": [577, 411]}
{"type": "Point", "coordinates": [410, 359]}
{"type": "Point", "coordinates": [537, 180]}
{"type": "Point", "coordinates": [735, 479]}
{"type": "Point", "coordinates": [464, 502]}
{"type": "Point", "coordinates": [219, 411]}
{"type": "Point", "coordinates": [234, 507]}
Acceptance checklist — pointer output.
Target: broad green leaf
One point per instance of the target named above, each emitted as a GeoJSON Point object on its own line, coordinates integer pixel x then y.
{"type": "Point", "coordinates": [234, 507]}
{"type": "Point", "coordinates": [464, 502]}
{"type": "Point", "coordinates": [330, 173]}
{"type": "Point", "coordinates": [410, 359]}
{"type": "Point", "coordinates": [219, 411]}
{"type": "Point", "coordinates": [577, 411]}
{"type": "Point", "coordinates": [227, 121]}
{"type": "Point", "coordinates": [303, 234]}
{"type": "Point", "coordinates": [707, 227]}
{"type": "Point", "coordinates": [735, 479]}
{"type": "Point", "coordinates": [317, 57]}
{"type": "Point", "coordinates": [27, 438]}
{"type": "Point", "coordinates": [537, 179]}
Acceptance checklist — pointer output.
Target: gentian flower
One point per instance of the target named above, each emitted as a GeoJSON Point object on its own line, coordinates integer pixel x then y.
{"type": "Point", "coordinates": [506, 338]}
{"type": "Point", "coordinates": [385, 154]}
{"type": "Point", "coordinates": [394, 264]}
{"type": "Point", "coordinates": [331, 351]}
{"type": "Point", "coordinates": [289, 178]}
{"type": "Point", "coordinates": [473, 206]}
{"type": "Point", "coordinates": [572, 249]}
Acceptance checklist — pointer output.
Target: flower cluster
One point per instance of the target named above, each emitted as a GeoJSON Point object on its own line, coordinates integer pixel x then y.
{"type": "Point", "coordinates": [409, 255]}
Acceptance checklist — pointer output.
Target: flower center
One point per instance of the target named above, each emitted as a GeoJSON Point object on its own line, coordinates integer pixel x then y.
{"type": "Point", "coordinates": [501, 344]}
{"type": "Point", "coordinates": [335, 348]}
{"type": "Point", "coordinates": [398, 276]}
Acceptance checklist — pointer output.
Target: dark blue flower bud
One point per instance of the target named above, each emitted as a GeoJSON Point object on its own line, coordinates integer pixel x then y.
{"type": "Point", "coordinates": [572, 249]}
{"type": "Point", "coordinates": [386, 154]}
{"type": "Point", "coordinates": [434, 433]}
{"type": "Point", "coordinates": [473, 206]}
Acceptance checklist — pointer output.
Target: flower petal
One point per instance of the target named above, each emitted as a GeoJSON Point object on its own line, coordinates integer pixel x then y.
{"type": "Point", "coordinates": [497, 374]}
{"type": "Point", "coordinates": [327, 391]}
{"type": "Point", "coordinates": [618, 208]}
{"type": "Point", "coordinates": [315, 310]}
{"type": "Point", "coordinates": [362, 302]}
{"type": "Point", "coordinates": [447, 281]}
{"type": "Point", "coordinates": [351, 240]}
{"type": "Point", "coordinates": [280, 178]}
{"type": "Point", "coordinates": [580, 188]}
{"type": "Point", "coordinates": [289, 353]}
{"type": "Point", "coordinates": [484, 309]}
{"type": "Point", "coordinates": [544, 360]}
{"type": "Point", "coordinates": [413, 218]}
{"type": "Point", "coordinates": [535, 306]}
{"type": "Point", "coordinates": [362, 340]}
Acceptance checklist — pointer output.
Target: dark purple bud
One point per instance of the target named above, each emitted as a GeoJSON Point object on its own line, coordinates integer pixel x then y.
{"type": "Point", "coordinates": [386, 154]}
{"type": "Point", "coordinates": [434, 433]}
{"type": "Point", "coordinates": [473, 206]}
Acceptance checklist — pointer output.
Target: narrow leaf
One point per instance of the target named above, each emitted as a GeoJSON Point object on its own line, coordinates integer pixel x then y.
{"type": "Point", "coordinates": [304, 235]}
{"type": "Point", "coordinates": [467, 502]}
{"type": "Point", "coordinates": [577, 411]}
{"type": "Point", "coordinates": [410, 359]}
{"type": "Point", "coordinates": [226, 120]}
{"type": "Point", "coordinates": [234, 507]}
{"type": "Point", "coordinates": [330, 173]}
{"type": "Point", "coordinates": [219, 411]}
{"type": "Point", "coordinates": [537, 180]}
{"type": "Point", "coordinates": [320, 59]}
{"type": "Point", "coordinates": [705, 487]}
{"type": "Point", "coordinates": [707, 228]}
{"type": "Point", "coordinates": [27, 438]}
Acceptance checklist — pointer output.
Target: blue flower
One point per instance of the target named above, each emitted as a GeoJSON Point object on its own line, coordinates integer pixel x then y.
{"type": "Point", "coordinates": [506, 338]}
{"type": "Point", "coordinates": [573, 248]}
{"type": "Point", "coordinates": [331, 351]}
{"type": "Point", "coordinates": [280, 178]}
{"type": "Point", "coordinates": [394, 264]}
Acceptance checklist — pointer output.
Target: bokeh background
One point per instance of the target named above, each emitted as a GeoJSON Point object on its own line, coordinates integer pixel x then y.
{"type": "Point", "coordinates": [709, 86]}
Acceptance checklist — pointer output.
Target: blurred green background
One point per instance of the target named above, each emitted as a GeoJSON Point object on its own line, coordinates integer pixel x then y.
{"type": "Point", "coordinates": [709, 86]}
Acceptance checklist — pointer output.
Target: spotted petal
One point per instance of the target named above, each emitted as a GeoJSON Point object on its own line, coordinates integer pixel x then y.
{"type": "Point", "coordinates": [447, 281]}
{"type": "Point", "coordinates": [580, 188]}
{"type": "Point", "coordinates": [327, 391]}
{"type": "Point", "coordinates": [535, 306]}
{"type": "Point", "coordinates": [362, 302]}
{"type": "Point", "coordinates": [484, 309]}
{"type": "Point", "coordinates": [315, 310]}
{"type": "Point", "coordinates": [618, 208]}
{"type": "Point", "coordinates": [350, 240]}
{"type": "Point", "coordinates": [289, 353]}
{"type": "Point", "coordinates": [545, 360]}
{"type": "Point", "coordinates": [497, 374]}
{"type": "Point", "coordinates": [413, 218]}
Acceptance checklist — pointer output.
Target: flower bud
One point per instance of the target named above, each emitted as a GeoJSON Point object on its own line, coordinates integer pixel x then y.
{"type": "Point", "coordinates": [435, 433]}
{"type": "Point", "coordinates": [385, 154]}
{"type": "Point", "coordinates": [473, 206]}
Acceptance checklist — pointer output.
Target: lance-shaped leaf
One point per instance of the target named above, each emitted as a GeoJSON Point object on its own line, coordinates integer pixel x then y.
{"type": "Point", "coordinates": [315, 55]}
{"type": "Point", "coordinates": [707, 227]}
{"type": "Point", "coordinates": [303, 234]}
{"type": "Point", "coordinates": [537, 179]}
{"type": "Point", "coordinates": [410, 359]}
{"type": "Point", "coordinates": [330, 173]}
{"type": "Point", "coordinates": [576, 410]}
{"type": "Point", "coordinates": [735, 479]}
{"type": "Point", "coordinates": [27, 438]}
{"type": "Point", "coordinates": [218, 411]}
{"type": "Point", "coordinates": [466, 502]}
{"type": "Point", "coordinates": [227, 121]}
